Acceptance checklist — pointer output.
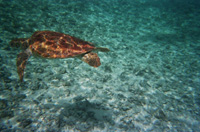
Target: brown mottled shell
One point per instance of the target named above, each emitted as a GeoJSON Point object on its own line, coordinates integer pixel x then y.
{"type": "Point", "coordinates": [51, 44]}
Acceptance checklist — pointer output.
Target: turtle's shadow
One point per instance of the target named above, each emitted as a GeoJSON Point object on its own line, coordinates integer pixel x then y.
{"type": "Point", "coordinates": [84, 114]}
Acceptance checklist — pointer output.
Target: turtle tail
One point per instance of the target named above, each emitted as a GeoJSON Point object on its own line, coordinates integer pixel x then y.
{"type": "Point", "coordinates": [20, 42]}
{"type": "Point", "coordinates": [22, 59]}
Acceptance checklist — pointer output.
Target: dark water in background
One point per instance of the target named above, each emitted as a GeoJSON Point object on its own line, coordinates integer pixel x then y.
{"type": "Point", "coordinates": [149, 81]}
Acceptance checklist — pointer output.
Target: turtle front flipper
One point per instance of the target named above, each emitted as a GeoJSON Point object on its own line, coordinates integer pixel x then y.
{"type": "Point", "coordinates": [102, 49]}
{"type": "Point", "coordinates": [22, 58]}
{"type": "Point", "coordinates": [92, 59]}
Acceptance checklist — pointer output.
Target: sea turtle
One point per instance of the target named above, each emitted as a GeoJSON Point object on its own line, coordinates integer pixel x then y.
{"type": "Point", "coordinates": [50, 44]}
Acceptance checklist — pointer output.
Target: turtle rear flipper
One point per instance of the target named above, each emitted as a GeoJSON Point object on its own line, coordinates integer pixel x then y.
{"type": "Point", "coordinates": [92, 59]}
{"type": "Point", "coordinates": [22, 58]}
{"type": "Point", "coordinates": [21, 42]}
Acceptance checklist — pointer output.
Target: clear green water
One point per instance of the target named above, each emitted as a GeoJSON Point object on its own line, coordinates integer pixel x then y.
{"type": "Point", "coordinates": [149, 81]}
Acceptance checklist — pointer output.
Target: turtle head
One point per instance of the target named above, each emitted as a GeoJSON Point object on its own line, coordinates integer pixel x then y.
{"type": "Point", "coordinates": [92, 59]}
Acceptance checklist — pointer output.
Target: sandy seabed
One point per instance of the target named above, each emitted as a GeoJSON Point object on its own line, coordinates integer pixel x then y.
{"type": "Point", "coordinates": [149, 81]}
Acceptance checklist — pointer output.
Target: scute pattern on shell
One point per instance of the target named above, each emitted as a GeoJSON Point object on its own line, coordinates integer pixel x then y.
{"type": "Point", "coordinates": [51, 44]}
